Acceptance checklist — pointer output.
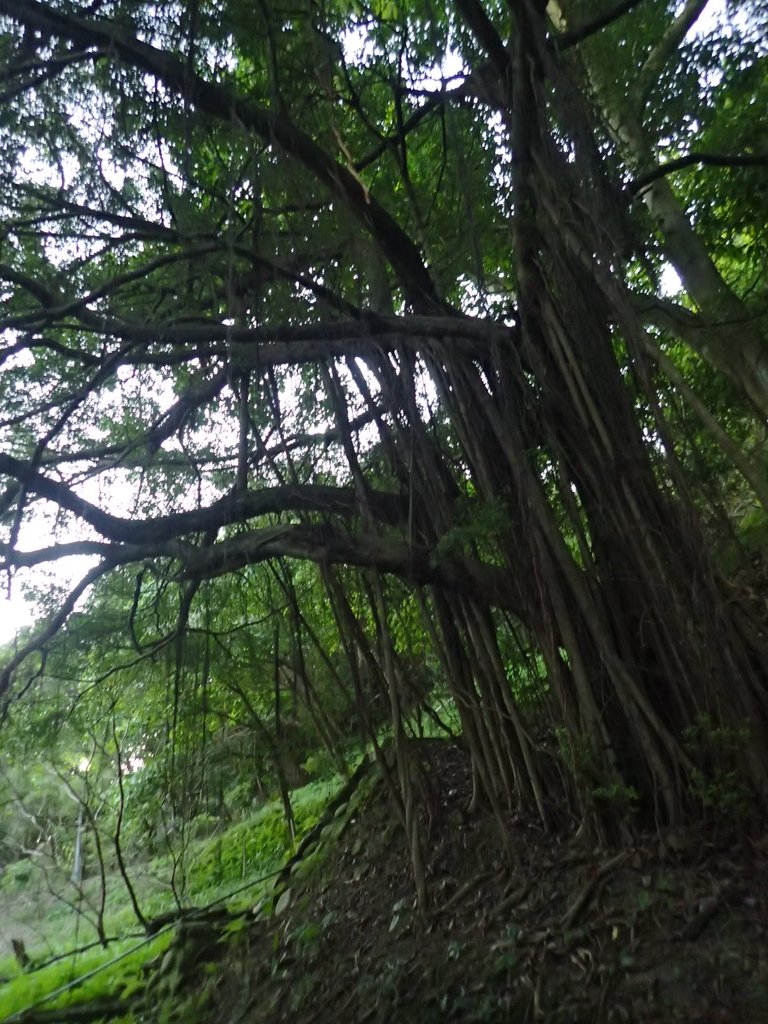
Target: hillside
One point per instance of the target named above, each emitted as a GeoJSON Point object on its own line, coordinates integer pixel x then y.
{"type": "Point", "coordinates": [671, 929]}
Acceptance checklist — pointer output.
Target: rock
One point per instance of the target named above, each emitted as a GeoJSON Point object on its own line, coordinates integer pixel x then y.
{"type": "Point", "coordinates": [283, 902]}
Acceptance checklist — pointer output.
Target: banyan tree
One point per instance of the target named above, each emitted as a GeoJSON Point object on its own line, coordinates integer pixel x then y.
{"type": "Point", "coordinates": [379, 287]}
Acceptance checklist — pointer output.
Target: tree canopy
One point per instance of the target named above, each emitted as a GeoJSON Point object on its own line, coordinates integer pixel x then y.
{"type": "Point", "coordinates": [339, 347]}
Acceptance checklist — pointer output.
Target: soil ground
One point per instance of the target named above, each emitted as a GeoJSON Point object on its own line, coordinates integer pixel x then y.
{"type": "Point", "coordinates": [671, 929]}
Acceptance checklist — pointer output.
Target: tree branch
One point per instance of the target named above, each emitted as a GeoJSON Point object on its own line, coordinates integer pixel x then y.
{"type": "Point", "coordinates": [12, 558]}
{"type": "Point", "coordinates": [223, 103]}
{"type": "Point", "coordinates": [232, 508]}
{"type": "Point", "coordinates": [323, 544]}
{"type": "Point", "coordinates": [696, 159]}
{"type": "Point", "coordinates": [58, 204]}
{"type": "Point", "coordinates": [363, 326]}
{"type": "Point", "coordinates": [118, 453]}
{"type": "Point", "coordinates": [487, 37]}
{"type": "Point", "coordinates": [577, 35]}
{"type": "Point", "coordinates": [663, 50]}
{"type": "Point", "coordinates": [51, 312]}
{"type": "Point", "coordinates": [327, 545]}
{"type": "Point", "coordinates": [46, 71]}
{"type": "Point", "coordinates": [50, 629]}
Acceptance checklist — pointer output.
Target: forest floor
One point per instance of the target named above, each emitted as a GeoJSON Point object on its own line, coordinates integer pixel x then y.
{"type": "Point", "coordinates": [671, 929]}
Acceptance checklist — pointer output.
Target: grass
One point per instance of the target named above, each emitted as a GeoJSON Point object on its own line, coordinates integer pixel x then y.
{"type": "Point", "coordinates": [255, 846]}
{"type": "Point", "coordinates": [121, 963]}
{"type": "Point", "coordinates": [214, 867]}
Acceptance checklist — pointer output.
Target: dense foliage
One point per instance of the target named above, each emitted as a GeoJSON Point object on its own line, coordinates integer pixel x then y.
{"type": "Point", "coordinates": [340, 356]}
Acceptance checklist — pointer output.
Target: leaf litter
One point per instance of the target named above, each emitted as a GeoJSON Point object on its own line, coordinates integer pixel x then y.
{"type": "Point", "coordinates": [673, 928]}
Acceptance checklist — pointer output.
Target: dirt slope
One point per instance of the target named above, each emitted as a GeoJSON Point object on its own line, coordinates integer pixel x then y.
{"type": "Point", "coordinates": [673, 929]}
